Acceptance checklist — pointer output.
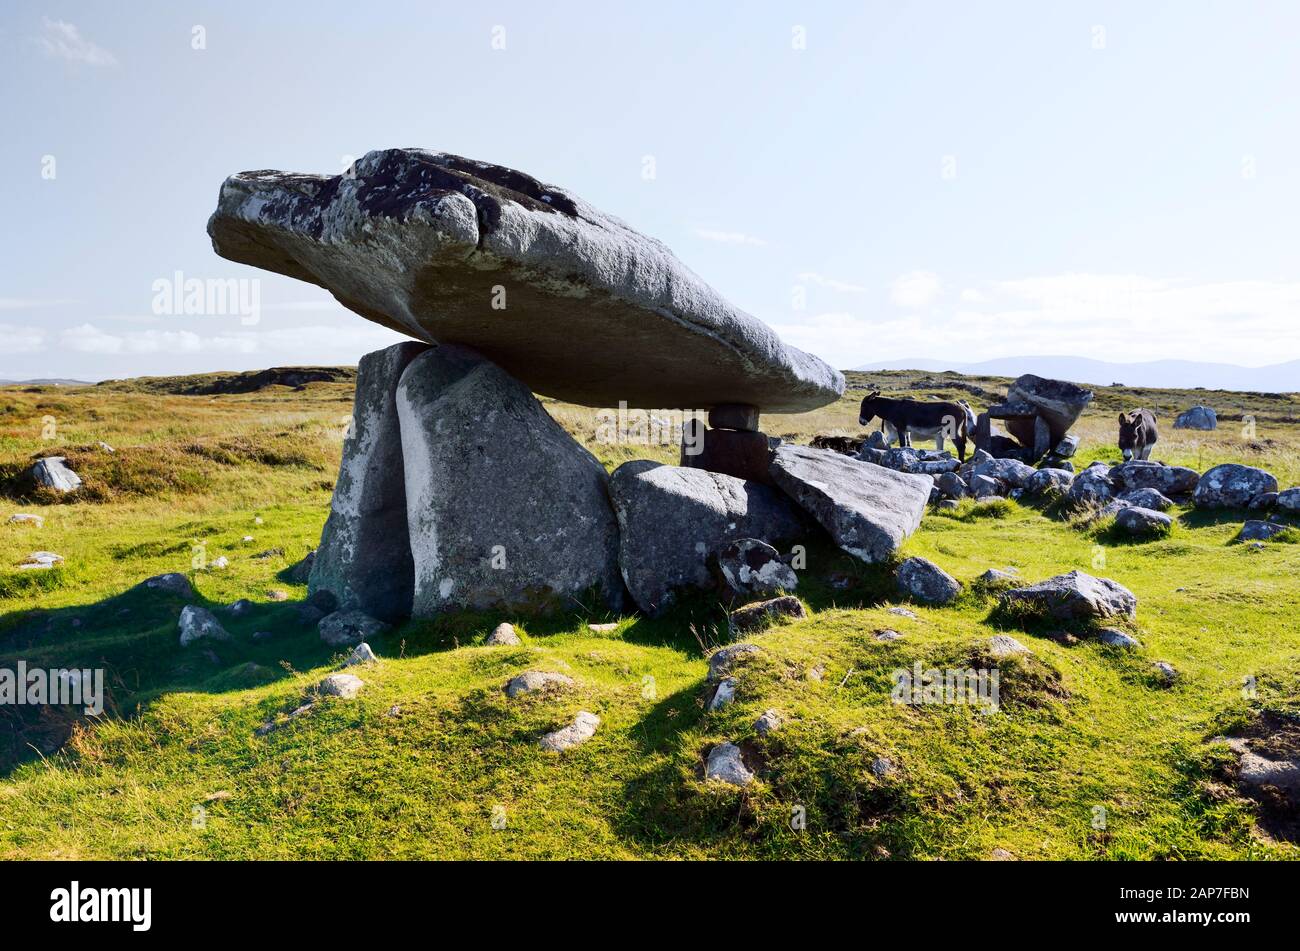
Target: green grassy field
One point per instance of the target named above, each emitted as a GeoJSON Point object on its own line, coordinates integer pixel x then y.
{"type": "Point", "coordinates": [1088, 757]}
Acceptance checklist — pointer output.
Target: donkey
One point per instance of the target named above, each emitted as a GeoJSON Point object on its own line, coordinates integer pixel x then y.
{"type": "Point", "coordinates": [1137, 434]}
{"type": "Point", "coordinates": [925, 419]}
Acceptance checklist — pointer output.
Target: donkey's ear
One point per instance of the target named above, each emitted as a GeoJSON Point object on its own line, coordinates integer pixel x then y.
{"type": "Point", "coordinates": [1123, 417]}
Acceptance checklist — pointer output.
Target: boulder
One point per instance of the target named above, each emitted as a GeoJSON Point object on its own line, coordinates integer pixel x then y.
{"type": "Point", "coordinates": [951, 485]}
{"type": "Point", "coordinates": [672, 520]}
{"type": "Point", "coordinates": [1164, 673]}
{"type": "Point", "coordinates": [997, 578]}
{"type": "Point", "coordinates": [1092, 486]}
{"type": "Point", "coordinates": [868, 510]}
{"type": "Point", "coordinates": [1139, 521]}
{"type": "Point", "coordinates": [723, 694]}
{"type": "Point", "coordinates": [444, 248]}
{"type": "Point", "coordinates": [364, 556]}
{"type": "Point", "coordinates": [1011, 472]}
{"type": "Point", "coordinates": [1114, 637]}
{"type": "Point", "coordinates": [1256, 530]}
{"type": "Point", "coordinates": [1147, 499]}
{"type": "Point", "coordinates": [926, 582]}
{"type": "Point", "coordinates": [1169, 480]}
{"type": "Point", "coordinates": [723, 660]}
{"type": "Point", "coordinates": [753, 567]}
{"type": "Point", "coordinates": [41, 559]}
{"type": "Point", "coordinates": [52, 473]}
{"type": "Point", "coordinates": [1047, 481]}
{"type": "Point", "coordinates": [1264, 501]}
{"type": "Point", "coordinates": [531, 681]}
{"type": "Point", "coordinates": [754, 616]}
{"type": "Point", "coordinates": [725, 764]}
{"type": "Point", "coordinates": [348, 628]}
{"type": "Point", "coordinates": [198, 623]}
{"type": "Point", "coordinates": [503, 635]}
{"type": "Point", "coordinates": [1067, 447]}
{"type": "Point", "coordinates": [986, 487]}
{"type": "Point", "coordinates": [27, 518]}
{"type": "Point", "coordinates": [1232, 486]}
{"type": "Point", "coordinates": [1004, 645]}
{"type": "Point", "coordinates": [343, 686]}
{"type": "Point", "coordinates": [1057, 402]}
{"type": "Point", "coordinates": [1198, 417]}
{"type": "Point", "coordinates": [173, 582]}
{"type": "Point", "coordinates": [576, 733]}
{"type": "Point", "coordinates": [361, 654]}
{"type": "Point", "coordinates": [504, 508]}
{"type": "Point", "coordinates": [769, 722]}
{"type": "Point", "coordinates": [1289, 500]}
{"type": "Point", "coordinates": [1074, 596]}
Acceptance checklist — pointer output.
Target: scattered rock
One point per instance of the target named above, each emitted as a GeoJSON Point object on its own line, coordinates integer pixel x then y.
{"type": "Point", "coordinates": [1139, 474]}
{"type": "Point", "coordinates": [985, 487]}
{"type": "Point", "coordinates": [531, 681]}
{"type": "Point", "coordinates": [1002, 855]}
{"type": "Point", "coordinates": [40, 560]}
{"type": "Point", "coordinates": [52, 473]}
{"type": "Point", "coordinates": [1257, 530]}
{"type": "Point", "coordinates": [275, 594]}
{"type": "Point", "coordinates": [361, 654]}
{"type": "Point", "coordinates": [1046, 481]}
{"type": "Point", "coordinates": [171, 583]}
{"type": "Point", "coordinates": [882, 767]}
{"type": "Point", "coordinates": [1139, 521]}
{"type": "Point", "coordinates": [951, 485]}
{"type": "Point", "coordinates": [768, 723]}
{"type": "Point", "coordinates": [1164, 672]}
{"type": "Point", "coordinates": [1004, 645]}
{"type": "Point", "coordinates": [26, 518]}
{"type": "Point", "coordinates": [926, 581]}
{"type": "Point", "coordinates": [1232, 486]}
{"type": "Point", "coordinates": [503, 635]}
{"type": "Point", "coordinates": [1075, 595]}
{"type": "Point", "coordinates": [1010, 472]}
{"type": "Point", "coordinates": [885, 634]}
{"type": "Point", "coordinates": [240, 608]}
{"type": "Point", "coordinates": [343, 686]}
{"type": "Point", "coordinates": [1114, 637]}
{"type": "Point", "coordinates": [723, 694]}
{"type": "Point", "coordinates": [1198, 417]}
{"type": "Point", "coordinates": [754, 616]}
{"type": "Point", "coordinates": [221, 561]}
{"type": "Point", "coordinates": [1264, 501]}
{"type": "Point", "coordinates": [753, 567]}
{"type": "Point", "coordinates": [726, 764]}
{"type": "Point", "coordinates": [603, 628]}
{"type": "Point", "coordinates": [997, 578]}
{"type": "Point", "coordinates": [576, 733]}
{"type": "Point", "coordinates": [198, 623]}
{"type": "Point", "coordinates": [722, 660]}
{"type": "Point", "coordinates": [868, 510]}
{"type": "Point", "coordinates": [268, 553]}
{"type": "Point", "coordinates": [902, 612]}
{"type": "Point", "coordinates": [1288, 501]}
{"type": "Point", "coordinates": [301, 572]}
{"type": "Point", "coordinates": [1147, 499]}
{"type": "Point", "coordinates": [947, 505]}
{"type": "Point", "coordinates": [1092, 486]}
{"type": "Point", "coordinates": [344, 628]}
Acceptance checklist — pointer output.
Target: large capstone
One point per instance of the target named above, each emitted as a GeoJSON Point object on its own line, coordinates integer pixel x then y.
{"type": "Point", "coordinates": [672, 521]}
{"type": "Point", "coordinates": [448, 249]}
{"type": "Point", "coordinates": [868, 510]}
{"type": "Point", "coordinates": [364, 557]}
{"type": "Point", "coordinates": [504, 508]}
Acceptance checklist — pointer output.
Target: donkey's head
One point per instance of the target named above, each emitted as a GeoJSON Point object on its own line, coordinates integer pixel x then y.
{"type": "Point", "coordinates": [1129, 426]}
{"type": "Point", "coordinates": [868, 409]}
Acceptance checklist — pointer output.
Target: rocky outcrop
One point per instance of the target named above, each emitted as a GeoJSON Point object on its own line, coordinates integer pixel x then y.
{"type": "Point", "coordinates": [444, 248]}
{"type": "Point", "coordinates": [364, 556]}
{"type": "Point", "coordinates": [672, 521]}
{"type": "Point", "coordinates": [504, 508]}
{"type": "Point", "coordinates": [868, 510]}
{"type": "Point", "coordinates": [1232, 486]}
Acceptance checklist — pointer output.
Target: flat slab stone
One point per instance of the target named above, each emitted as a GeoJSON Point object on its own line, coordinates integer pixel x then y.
{"type": "Point", "coordinates": [451, 250]}
{"type": "Point", "coordinates": [868, 510]}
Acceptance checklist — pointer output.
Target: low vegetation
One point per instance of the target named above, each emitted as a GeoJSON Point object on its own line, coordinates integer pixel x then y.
{"type": "Point", "coordinates": [1089, 754]}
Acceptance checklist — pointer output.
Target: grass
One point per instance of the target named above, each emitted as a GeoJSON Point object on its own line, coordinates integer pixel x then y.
{"type": "Point", "coordinates": [173, 769]}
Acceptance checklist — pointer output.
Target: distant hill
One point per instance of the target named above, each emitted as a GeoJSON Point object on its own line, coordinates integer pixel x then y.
{"type": "Point", "coordinates": [247, 381]}
{"type": "Point", "coordinates": [49, 382]}
{"type": "Point", "coordinates": [1172, 374]}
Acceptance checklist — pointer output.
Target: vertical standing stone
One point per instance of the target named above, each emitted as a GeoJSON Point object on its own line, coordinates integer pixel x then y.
{"type": "Point", "coordinates": [504, 508]}
{"type": "Point", "coordinates": [364, 558]}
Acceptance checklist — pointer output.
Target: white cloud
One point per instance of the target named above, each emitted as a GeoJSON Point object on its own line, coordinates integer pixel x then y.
{"type": "Point", "coordinates": [21, 303]}
{"type": "Point", "coordinates": [1116, 317]}
{"type": "Point", "coordinates": [821, 280]}
{"type": "Point", "coordinates": [20, 339]}
{"type": "Point", "coordinates": [729, 237]}
{"type": "Point", "coordinates": [64, 41]}
{"type": "Point", "coordinates": [915, 290]}
{"type": "Point", "coordinates": [304, 344]}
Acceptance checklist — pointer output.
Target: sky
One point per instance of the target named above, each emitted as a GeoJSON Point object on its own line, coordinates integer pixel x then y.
{"type": "Point", "coordinates": [875, 180]}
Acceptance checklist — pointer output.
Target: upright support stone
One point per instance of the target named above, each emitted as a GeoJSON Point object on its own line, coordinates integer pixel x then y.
{"type": "Point", "coordinates": [364, 557]}
{"type": "Point", "coordinates": [1042, 444]}
{"type": "Point", "coordinates": [742, 416]}
{"type": "Point", "coordinates": [504, 508]}
{"type": "Point", "coordinates": [983, 431]}
{"type": "Point", "coordinates": [744, 455]}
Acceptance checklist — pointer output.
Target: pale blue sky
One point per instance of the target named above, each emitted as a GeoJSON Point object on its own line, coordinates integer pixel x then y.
{"type": "Point", "coordinates": [950, 180]}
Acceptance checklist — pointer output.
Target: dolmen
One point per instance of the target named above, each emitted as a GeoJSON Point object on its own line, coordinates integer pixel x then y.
{"type": "Point", "coordinates": [457, 490]}
{"type": "Point", "coordinates": [1038, 414]}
